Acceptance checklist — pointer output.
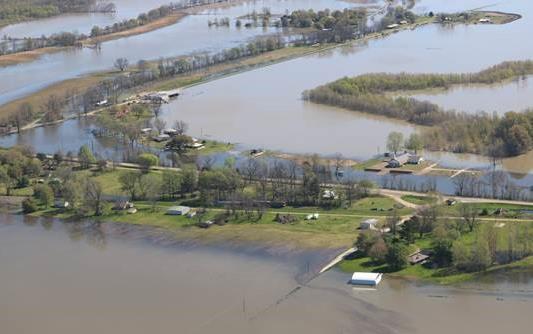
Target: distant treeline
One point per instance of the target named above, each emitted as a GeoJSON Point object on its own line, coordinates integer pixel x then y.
{"type": "Point", "coordinates": [459, 132]}
{"type": "Point", "coordinates": [20, 10]}
{"type": "Point", "coordinates": [62, 39]}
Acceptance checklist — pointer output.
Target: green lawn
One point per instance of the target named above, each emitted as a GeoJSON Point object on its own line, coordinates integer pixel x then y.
{"type": "Point", "coordinates": [510, 210]}
{"type": "Point", "coordinates": [419, 200]}
{"type": "Point", "coordinates": [367, 164]}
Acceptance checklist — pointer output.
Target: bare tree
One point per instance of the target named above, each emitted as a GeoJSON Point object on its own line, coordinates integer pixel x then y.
{"type": "Point", "coordinates": [156, 109]}
{"type": "Point", "coordinates": [339, 165]}
{"type": "Point", "coordinates": [181, 127]}
{"type": "Point", "coordinates": [93, 196]}
{"type": "Point", "coordinates": [160, 125]}
{"type": "Point", "coordinates": [250, 169]}
{"type": "Point", "coordinates": [470, 214]}
{"type": "Point", "coordinates": [121, 64]}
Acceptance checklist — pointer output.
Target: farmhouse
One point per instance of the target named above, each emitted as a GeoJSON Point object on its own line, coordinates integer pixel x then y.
{"type": "Point", "coordinates": [398, 161]}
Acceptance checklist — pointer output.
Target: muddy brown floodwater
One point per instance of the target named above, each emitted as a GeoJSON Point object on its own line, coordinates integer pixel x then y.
{"type": "Point", "coordinates": [83, 278]}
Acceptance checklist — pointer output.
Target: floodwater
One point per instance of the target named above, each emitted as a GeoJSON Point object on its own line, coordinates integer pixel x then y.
{"type": "Point", "coordinates": [498, 99]}
{"type": "Point", "coordinates": [78, 278]}
{"type": "Point", "coordinates": [81, 22]}
{"type": "Point", "coordinates": [263, 108]}
{"type": "Point", "coordinates": [190, 34]}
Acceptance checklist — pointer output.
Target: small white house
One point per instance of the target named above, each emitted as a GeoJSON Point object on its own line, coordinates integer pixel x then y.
{"type": "Point", "coordinates": [329, 194]}
{"type": "Point", "coordinates": [178, 210]}
{"type": "Point", "coordinates": [369, 224]}
{"type": "Point", "coordinates": [146, 131]}
{"type": "Point", "coordinates": [371, 279]}
{"type": "Point", "coordinates": [101, 103]}
{"type": "Point", "coordinates": [161, 138]}
{"type": "Point", "coordinates": [170, 132]}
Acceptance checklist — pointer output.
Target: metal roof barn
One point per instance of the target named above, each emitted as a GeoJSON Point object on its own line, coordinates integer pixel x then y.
{"type": "Point", "coordinates": [372, 279]}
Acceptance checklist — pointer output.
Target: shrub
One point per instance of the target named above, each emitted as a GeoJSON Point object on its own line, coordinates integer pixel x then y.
{"type": "Point", "coordinates": [29, 205]}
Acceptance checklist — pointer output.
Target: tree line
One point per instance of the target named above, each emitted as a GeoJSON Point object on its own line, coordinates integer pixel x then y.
{"type": "Point", "coordinates": [482, 133]}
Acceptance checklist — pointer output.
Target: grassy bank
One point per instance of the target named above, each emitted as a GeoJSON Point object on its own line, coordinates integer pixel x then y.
{"type": "Point", "coordinates": [154, 25]}
{"type": "Point", "coordinates": [333, 229]}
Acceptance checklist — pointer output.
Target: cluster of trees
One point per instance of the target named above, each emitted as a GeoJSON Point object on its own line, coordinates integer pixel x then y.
{"type": "Point", "coordinates": [458, 132]}
{"type": "Point", "coordinates": [17, 166]}
{"type": "Point", "coordinates": [329, 26]}
{"type": "Point", "coordinates": [396, 15]}
{"type": "Point", "coordinates": [324, 19]}
{"type": "Point", "coordinates": [142, 19]}
{"type": "Point", "coordinates": [462, 243]}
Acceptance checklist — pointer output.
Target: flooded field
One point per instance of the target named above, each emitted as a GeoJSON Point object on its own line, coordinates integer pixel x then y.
{"type": "Point", "coordinates": [75, 277]}
{"type": "Point", "coordinates": [81, 22]}
{"type": "Point", "coordinates": [191, 34]}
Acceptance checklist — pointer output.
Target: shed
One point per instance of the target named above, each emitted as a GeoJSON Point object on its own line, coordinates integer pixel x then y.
{"type": "Point", "coordinates": [329, 194]}
{"type": "Point", "coordinates": [372, 279]}
{"type": "Point", "coordinates": [398, 161]}
{"type": "Point", "coordinates": [369, 224]}
{"type": "Point", "coordinates": [418, 257]}
{"type": "Point", "coordinates": [122, 205]}
{"type": "Point", "coordinates": [178, 210]}
{"type": "Point", "coordinates": [415, 160]}
{"type": "Point", "coordinates": [161, 138]}
{"type": "Point", "coordinates": [61, 204]}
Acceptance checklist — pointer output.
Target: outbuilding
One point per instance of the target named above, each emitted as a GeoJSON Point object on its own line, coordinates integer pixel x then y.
{"type": "Point", "coordinates": [415, 160]}
{"type": "Point", "coordinates": [398, 161]}
{"type": "Point", "coordinates": [178, 210]}
{"type": "Point", "coordinates": [372, 279]}
{"type": "Point", "coordinates": [61, 204]}
{"type": "Point", "coordinates": [369, 224]}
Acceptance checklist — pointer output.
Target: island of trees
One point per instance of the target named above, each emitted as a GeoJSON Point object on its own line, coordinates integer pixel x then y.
{"type": "Point", "coordinates": [482, 133]}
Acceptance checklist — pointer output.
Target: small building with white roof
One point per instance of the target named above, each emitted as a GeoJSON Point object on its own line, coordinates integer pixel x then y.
{"type": "Point", "coordinates": [372, 279]}
{"type": "Point", "coordinates": [369, 224]}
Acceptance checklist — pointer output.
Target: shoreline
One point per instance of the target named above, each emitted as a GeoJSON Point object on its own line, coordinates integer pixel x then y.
{"type": "Point", "coordinates": [29, 56]}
